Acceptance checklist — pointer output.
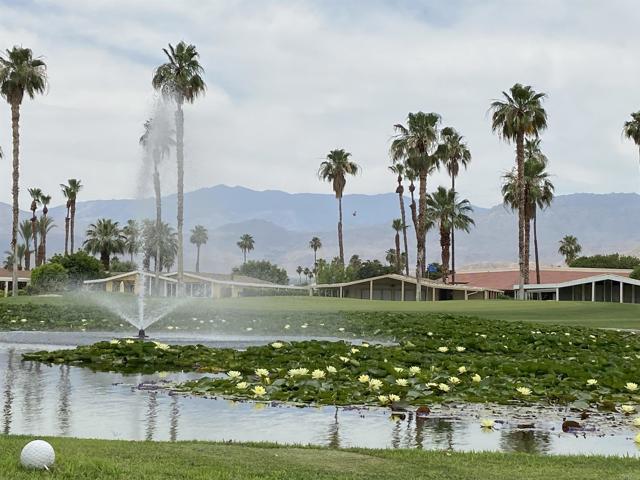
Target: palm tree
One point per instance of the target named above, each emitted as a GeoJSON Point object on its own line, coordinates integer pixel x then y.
{"type": "Point", "coordinates": [399, 170]}
{"type": "Point", "coordinates": [26, 232]}
{"type": "Point", "coordinates": [335, 170]}
{"type": "Point", "coordinates": [75, 186]}
{"type": "Point", "coordinates": [398, 226]}
{"type": "Point", "coordinates": [539, 191]}
{"type": "Point", "coordinates": [307, 274]}
{"type": "Point", "coordinates": [569, 248]}
{"type": "Point", "coordinates": [44, 226]}
{"type": "Point", "coordinates": [20, 74]}
{"type": "Point", "coordinates": [161, 244]}
{"type": "Point", "coordinates": [180, 80]}
{"type": "Point", "coordinates": [455, 154]}
{"type": "Point", "coordinates": [315, 244]}
{"type": "Point", "coordinates": [104, 238]}
{"type": "Point", "coordinates": [67, 193]}
{"type": "Point", "coordinates": [35, 193]}
{"type": "Point", "coordinates": [417, 145]}
{"type": "Point", "coordinates": [391, 256]}
{"type": "Point", "coordinates": [199, 236]}
{"type": "Point", "coordinates": [131, 232]}
{"type": "Point", "coordinates": [519, 116]}
{"type": "Point", "coordinates": [246, 244]}
{"type": "Point", "coordinates": [299, 271]}
{"type": "Point", "coordinates": [448, 213]}
{"type": "Point", "coordinates": [632, 129]}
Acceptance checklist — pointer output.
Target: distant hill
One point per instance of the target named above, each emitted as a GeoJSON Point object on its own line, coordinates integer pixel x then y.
{"type": "Point", "coordinates": [283, 223]}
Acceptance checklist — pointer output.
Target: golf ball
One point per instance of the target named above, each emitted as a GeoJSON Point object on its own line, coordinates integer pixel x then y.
{"type": "Point", "coordinates": [38, 455]}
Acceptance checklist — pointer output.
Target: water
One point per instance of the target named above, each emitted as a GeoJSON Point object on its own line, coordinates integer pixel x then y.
{"type": "Point", "coordinates": [70, 401]}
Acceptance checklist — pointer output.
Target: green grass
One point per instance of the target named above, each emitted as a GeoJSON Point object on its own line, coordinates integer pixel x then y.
{"type": "Point", "coordinates": [118, 460]}
{"type": "Point", "coordinates": [70, 309]}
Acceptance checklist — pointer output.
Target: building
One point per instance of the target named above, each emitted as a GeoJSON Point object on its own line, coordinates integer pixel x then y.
{"type": "Point", "coordinates": [403, 288]}
{"type": "Point", "coordinates": [6, 280]}
{"type": "Point", "coordinates": [212, 285]}
{"type": "Point", "coordinates": [607, 287]}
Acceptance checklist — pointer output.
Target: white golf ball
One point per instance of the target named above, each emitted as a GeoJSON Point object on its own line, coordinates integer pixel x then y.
{"type": "Point", "coordinates": [37, 455]}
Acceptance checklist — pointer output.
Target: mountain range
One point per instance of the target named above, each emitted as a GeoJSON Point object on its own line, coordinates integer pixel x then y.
{"type": "Point", "coordinates": [283, 223]}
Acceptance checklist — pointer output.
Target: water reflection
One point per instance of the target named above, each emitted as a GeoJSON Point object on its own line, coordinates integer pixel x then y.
{"type": "Point", "coordinates": [333, 438]}
{"type": "Point", "coordinates": [175, 416]}
{"type": "Point", "coordinates": [64, 400]}
{"type": "Point", "coordinates": [526, 441]}
{"type": "Point", "coordinates": [9, 380]}
{"type": "Point", "coordinates": [152, 414]}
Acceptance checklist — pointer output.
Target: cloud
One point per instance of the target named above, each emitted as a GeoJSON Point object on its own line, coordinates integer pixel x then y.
{"type": "Point", "coordinates": [288, 81]}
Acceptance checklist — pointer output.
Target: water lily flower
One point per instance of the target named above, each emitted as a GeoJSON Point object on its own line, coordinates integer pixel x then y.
{"type": "Point", "coordinates": [277, 345]}
{"type": "Point", "coordinates": [383, 399]}
{"type": "Point", "coordinates": [627, 409]}
{"type": "Point", "coordinates": [345, 359]}
{"type": "Point", "coordinates": [115, 342]}
{"type": "Point", "coordinates": [394, 398]}
{"type": "Point", "coordinates": [483, 335]}
{"type": "Point", "coordinates": [162, 346]}
{"type": "Point", "coordinates": [248, 329]}
{"type": "Point", "coordinates": [129, 341]}
{"type": "Point", "coordinates": [402, 382]}
{"type": "Point", "coordinates": [487, 423]}
{"type": "Point", "coordinates": [331, 369]}
{"type": "Point", "coordinates": [454, 380]}
{"type": "Point", "coordinates": [364, 378]}
{"type": "Point", "coordinates": [636, 422]}
{"type": "Point", "coordinates": [432, 384]}
{"type": "Point", "coordinates": [354, 350]}
{"type": "Point", "coordinates": [443, 349]}
{"type": "Point", "coordinates": [637, 439]}
{"type": "Point", "coordinates": [375, 384]}
{"type": "Point", "coordinates": [23, 320]}
{"type": "Point", "coordinates": [259, 391]}
{"type": "Point", "coordinates": [234, 374]}
{"type": "Point", "coordinates": [318, 374]}
{"type": "Point", "coordinates": [414, 370]}
{"type": "Point", "coordinates": [430, 334]}
{"type": "Point", "coordinates": [170, 327]}
{"type": "Point", "coordinates": [462, 369]}
{"type": "Point", "coordinates": [524, 391]}
{"type": "Point", "coordinates": [476, 378]}
{"type": "Point", "coordinates": [592, 381]}
{"type": "Point", "coordinates": [460, 349]}
{"type": "Point", "coordinates": [304, 325]}
{"type": "Point", "coordinates": [443, 387]}
{"type": "Point", "coordinates": [364, 345]}
{"type": "Point", "coordinates": [287, 326]}
{"type": "Point", "coordinates": [632, 387]}
{"type": "Point", "coordinates": [398, 369]}
{"type": "Point", "coordinates": [262, 372]}
{"type": "Point", "coordinates": [298, 372]}
{"type": "Point", "coordinates": [242, 385]}
{"type": "Point", "coordinates": [341, 329]}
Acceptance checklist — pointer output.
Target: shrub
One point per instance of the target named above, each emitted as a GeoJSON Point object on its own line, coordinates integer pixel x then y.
{"type": "Point", "coordinates": [263, 270]}
{"type": "Point", "coordinates": [636, 273]}
{"type": "Point", "coordinates": [80, 266]}
{"type": "Point", "coordinates": [51, 277]}
{"type": "Point", "coordinates": [613, 260]}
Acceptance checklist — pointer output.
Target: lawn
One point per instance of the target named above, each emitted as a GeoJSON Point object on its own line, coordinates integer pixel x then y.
{"type": "Point", "coordinates": [118, 460]}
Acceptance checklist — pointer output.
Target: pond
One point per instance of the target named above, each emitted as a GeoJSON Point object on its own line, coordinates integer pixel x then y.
{"type": "Point", "coordinates": [71, 401]}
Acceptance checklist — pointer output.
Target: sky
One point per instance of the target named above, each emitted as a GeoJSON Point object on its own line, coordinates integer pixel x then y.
{"type": "Point", "coordinates": [288, 81]}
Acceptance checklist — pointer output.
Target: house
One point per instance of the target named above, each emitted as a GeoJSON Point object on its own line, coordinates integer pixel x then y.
{"type": "Point", "coordinates": [607, 287]}
{"type": "Point", "coordinates": [6, 280]}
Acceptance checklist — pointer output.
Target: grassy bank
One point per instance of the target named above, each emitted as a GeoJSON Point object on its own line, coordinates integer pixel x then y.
{"type": "Point", "coordinates": [67, 313]}
{"type": "Point", "coordinates": [117, 460]}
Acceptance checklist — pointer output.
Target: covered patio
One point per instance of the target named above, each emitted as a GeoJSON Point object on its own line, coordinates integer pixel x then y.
{"type": "Point", "coordinates": [600, 288]}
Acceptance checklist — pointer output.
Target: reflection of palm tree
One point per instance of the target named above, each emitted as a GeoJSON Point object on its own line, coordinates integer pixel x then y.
{"type": "Point", "coordinates": [334, 432]}
{"type": "Point", "coordinates": [419, 436]}
{"type": "Point", "coordinates": [9, 379]}
{"type": "Point", "coordinates": [64, 412]}
{"type": "Point", "coordinates": [443, 433]}
{"type": "Point", "coordinates": [152, 415]}
{"type": "Point", "coordinates": [175, 415]}
{"type": "Point", "coordinates": [527, 441]}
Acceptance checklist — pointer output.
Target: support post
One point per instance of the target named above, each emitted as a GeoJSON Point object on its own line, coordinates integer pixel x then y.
{"type": "Point", "coordinates": [340, 291]}
{"type": "Point", "coordinates": [621, 292]}
{"type": "Point", "coordinates": [557, 294]}
{"type": "Point", "coordinates": [583, 285]}
{"type": "Point", "coordinates": [633, 294]}
{"type": "Point", "coordinates": [6, 289]}
{"type": "Point", "coordinates": [466, 294]}
{"type": "Point", "coordinates": [593, 291]}
{"type": "Point", "coordinates": [370, 289]}
{"type": "Point", "coordinates": [402, 291]}
{"type": "Point", "coordinates": [486, 294]}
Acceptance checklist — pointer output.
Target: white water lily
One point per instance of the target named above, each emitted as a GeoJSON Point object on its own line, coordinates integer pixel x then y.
{"type": "Point", "coordinates": [345, 359]}
{"type": "Point", "coordinates": [129, 341]}
{"type": "Point", "coordinates": [287, 326]}
{"type": "Point", "coordinates": [632, 387]}
{"type": "Point", "coordinates": [341, 329]}
{"type": "Point", "coordinates": [462, 369]}
{"type": "Point", "coordinates": [383, 399]}
{"type": "Point", "coordinates": [524, 391]}
{"type": "Point", "coordinates": [460, 349]}
{"type": "Point", "coordinates": [364, 378]}
{"type": "Point", "coordinates": [354, 350]}
{"type": "Point", "coordinates": [454, 380]}
{"type": "Point", "coordinates": [331, 369]}
{"type": "Point", "coordinates": [487, 423]}
{"type": "Point", "coordinates": [443, 387]}
{"type": "Point", "coordinates": [162, 346]}
{"type": "Point", "coordinates": [242, 385]}
{"type": "Point", "coordinates": [259, 391]}
{"type": "Point", "coordinates": [394, 398]}
{"type": "Point", "coordinates": [414, 370]}
{"type": "Point", "coordinates": [364, 345]}
{"type": "Point", "coordinates": [402, 382]}
{"type": "Point", "coordinates": [234, 374]}
{"type": "Point", "coordinates": [375, 384]}
{"type": "Point", "coordinates": [432, 384]}
{"type": "Point", "coordinates": [636, 422]}
{"type": "Point", "coordinates": [277, 345]}
{"type": "Point", "coordinates": [476, 378]}
{"type": "Point", "coordinates": [398, 369]}
{"type": "Point", "coordinates": [443, 349]}
{"type": "Point", "coordinates": [592, 381]}
{"type": "Point", "coordinates": [627, 409]}
{"type": "Point", "coordinates": [298, 372]}
{"type": "Point", "coordinates": [115, 342]}
{"type": "Point", "coordinates": [318, 374]}
{"type": "Point", "coordinates": [262, 372]}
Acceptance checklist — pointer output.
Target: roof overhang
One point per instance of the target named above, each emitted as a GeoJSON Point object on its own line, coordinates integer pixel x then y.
{"type": "Point", "coordinates": [580, 281]}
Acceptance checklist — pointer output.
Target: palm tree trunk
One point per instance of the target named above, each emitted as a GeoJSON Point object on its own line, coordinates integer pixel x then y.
{"type": "Point", "coordinates": [104, 258]}
{"type": "Point", "coordinates": [453, 237]}
{"type": "Point", "coordinates": [27, 256]}
{"type": "Point", "coordinates": [522, 215]}
{"type": "Point", "coordinates": [197, 258]}
{"type": "Point", "coordinates": [43, 241]}
{"type": "Point", "coordinates": [15, 127]}
{"type": "Point", "coordinates": [244, 254]}
{"type": "Point", "coordinates": [340, 241]}
{"type": "Point", "coordinates": [527, 235]}
{"type": "Point", "coordinates": [535, 244]}
{"type": "Point", "coordinates": [404, 228]}
{"type": "Point", "coordinates": [34, 233]}
{"type": "Point", "coordinates": [444, 244]}
{"type": "Point", "coordinates": [157, 193]}
{"type": "Point", "coordinates": [398, 254]}
{"type": "Point", "coordinates": [421, 233]}
{"type": "Point", "coordinates": [72, 224]}
{"type": "Point", "coordinates": [180, 161]}
{"type": "Point", "coordinates": [66, 233]}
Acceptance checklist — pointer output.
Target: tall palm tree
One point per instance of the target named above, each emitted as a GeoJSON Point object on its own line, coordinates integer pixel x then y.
{"type": "Point", "coordinates": [67, 194]}
{"type": "Point", "coordinates": [315, 244]}
{"type": "Point", "coordinates": [35, 193]}
{"type": "Point", "coordinates": [631, 129]}
{"type": "Point", "coordinates": [166, 238]}
{"type": "Point", "coordinates": [75, 186]}
{"type": "Point", "coordinates": [180, 80]}
{"type": "Point", "coordinates": [448, 213]}
{"type": "Point", "coordinates": [569, 248]}
{"type": "Point", "coordinates": [20, 74]}
{"type": "Point", "coordinates": [517, 117]}
{"type": "Point", "coordinates": [398, 226]}
{"type": "Point", "coordinates": [417, 145]}
{"type": "Point", "coordinates": [299, 271]}
{"type": "Point", "coordinates": [104, 238]}
{"type": "Point", "coordinates": [399, 170]}
{"type": "Point", "coordinates": [335, 170]}
{"type": "Point", "coordinates": [199, 236]}
{"type": "Point", "coordinates": [44, 226]}
{"type": "Point", "coordinates": [131, 232]}
{"type": "Point", "coordinates": [246, 244]}
{"type": "Point", "coordinates": [539, 191]}
{"type": "Point", "coordinates": [455, 154]}
{"type": "Point", "coordinates": [307, 273]}
{"type": "Point", "coordinates": [26, 232]}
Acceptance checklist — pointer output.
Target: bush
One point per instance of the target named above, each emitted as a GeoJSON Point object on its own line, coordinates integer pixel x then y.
{"type": "Point", "coordinates": [51, 277]}
{"type": "Point", "coordinates": [614, 260]}
{"type": "Point", "coordinates": [263, 270]}
{"type": "Point", "coordinates": [121, 266]}
{"type": "Point", "coordinates": [636, 273]}
{"type": "Point", "coordinates": [80, 266]}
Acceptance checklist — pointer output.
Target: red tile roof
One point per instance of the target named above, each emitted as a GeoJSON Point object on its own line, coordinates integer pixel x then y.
{"type": "Point", "coordinates": [22, 274]}
{"type": "Point", "coordinates": [506, 279]}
